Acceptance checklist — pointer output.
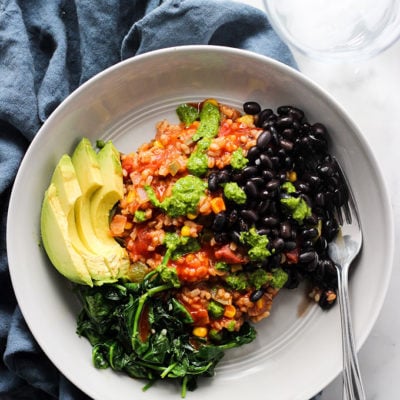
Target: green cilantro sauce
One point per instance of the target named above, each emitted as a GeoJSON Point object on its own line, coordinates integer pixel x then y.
{"type": "Point", "coordinates": [238, 160]}
{"type": "Point", "coordinates": [233, 192]}
{"type": "Point", "coordinates": [209, 122]}
{"type": "Point", "coordinates": [185, 197]}
{"type": "Point", "coordinates": [297, 206]}
{"type": "Point", "coordinates": [209, 126]}
{"type": "Point", "coordinates": [258, 250]}
{"type": "Point", "coordinates": [255, 280]}
{"type": "Point", "coordinates": [187, 114]}
{"type": "Point", "coordinates": [140, 216]}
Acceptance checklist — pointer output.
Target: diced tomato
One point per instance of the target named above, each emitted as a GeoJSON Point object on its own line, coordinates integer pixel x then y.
{"type": "Point", "coordinates": [127, 164]}
{"type": "Point", "coordinates": [292, 256]}
{"type": "Point", "coordinates": [143, 240]}
{"type": "Point", "coordinates": [225, 129]}
{"type": "Point", "coordinates": [117, 225]}
{"type": "Point", "coordinates": [225, 253]}
{"type": "Point", "coordinates": [193, 267]}
{"type": "Point", "coordinates": [200, 317]}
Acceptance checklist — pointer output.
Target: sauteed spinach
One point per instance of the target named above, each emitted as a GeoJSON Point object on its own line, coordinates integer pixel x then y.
{"type": "Point", "coordinates": [141, 329]}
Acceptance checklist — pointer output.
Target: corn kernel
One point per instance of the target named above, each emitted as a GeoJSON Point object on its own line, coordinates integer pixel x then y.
{"type": "Point", "coordinates": [229, 311]}
{"type": "Point", "coordinates": [212, 101]}
{"type": "Point", "coordinates": [200, 331]}
{"type": "Point", "coordinates": [131, 196]}
{"type": "Point", "coordinates": [246, 119]}
{"type": "Point", "coordinates": [185, 231]}
{"type": "Point", "coordinates": [128, 225]}
{"type": "Point", "coordinates": [260, 303]}
{"type": "Point", "coordinates": [191, 216]}
{"type": "Point", "coordinates": [292, 176]}
{"type": "Point", "coordinates": [158, 144]}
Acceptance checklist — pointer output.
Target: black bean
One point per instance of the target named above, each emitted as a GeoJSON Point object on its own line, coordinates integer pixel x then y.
{"type": "Point", "coordinates": [253, 153]}
{"type": "Point", "coordinates": [285, 230]}
{"type": "Point", "coordinates": [283, 110]}
{"type": "Point", "coordinates": [249, 215]}
{"type": "Point", "coordinates": [278, 244]}
{"type": "Point", "coordinates": [274, 260]}
{"type": "Point", "coordinates": [312, 265]}
{"type": "Point", "coordinates": [284, 122]}
{"type": "Point", "coordinates": [258, 181]}
{"type": "Point", "coordinates": [274, 233]}
{"type": "Point", "coordinates": [328, 196]}
{"type": "Point", "coordinates": [233, 216]}
{"type": "Point", "coordinates": [317, 144]}
{"type": "Point", "coordinates": [267, 174]}
{"type": "Point", "coordinates": [307, 256]}
{"type": "Point", "coordinates": [307, 245]}
{"type": "Point", "coordinates": [305, 128]}
{"type": "Point", "coordinates": [256, 295]}
{"type": "Point", "coordinates": [221, 237]}
{"type": "Point", "coordinates": [286, 144]}
{"type": "Point", "coordinates": [330, 229]}
{"type": "Point", "coordinates": [265, 195]}
{"type": "Point", "coordinates": [213, 182]}
{"type": "Point", "coordinates": [325, 301]}
{"type": "Point", "coordinates": [311, 220]}
{"type": "Point", "coordinates": [263, 140]}
{"type": "Point", "coordinates": [273, 208]}
{"type": "Point", "coordinates": [325, 170]}
{"type": "Point", "coordinates": [224, 176]}
{"type": "Point", "coordinates": [263, 206]}
{"type": "Point", "coordinates": [263, 116]}
{"type": "Point", "coordinates": [294, 279]}
{"type": "Point", "coordinates": [302, 186]}
{"type": "Point", "coordinates": [319, 129]}
{"type": "Point", "coordinates": [307, 199]}
{"type": "Point", "coordinates": [288, 133]}
{"type": "Point", "coordinates": [296, 113]}
{"type": "Point", "coordinates": [265, 161]}
{"type": "Point", "coordinates": [270, 221]}
{"type": "Point", "coordinates": [321, 244]}
{"type": "Point", "coordinates": [275, 161]}
{"type": "Point", "coordinates": [251, 107]}
{"type": "Point", "coordinates": [313, 180]}
{"type": "Point", "coordinates": [272, 184]}
{"type": "Point", "coordinates": [219, 222]}
{"type": "Point", "coordinates": [249, 172]}
{"type": "Point", "coordinates": [251, 189]}
{"type": "Point", "coordinates": [338, 198]}
{"type": "Point", "coordinates": [320, 199]}
{"type": "Point", "coordinates": [264, 231]}
{"type": "Point", "coordinates": [282, 175]}
{"type": "Point", "coordinates": [235, 236]}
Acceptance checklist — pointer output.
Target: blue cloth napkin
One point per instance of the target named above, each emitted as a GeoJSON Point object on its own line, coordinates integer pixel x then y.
{"type": "Point", "coordinates": [47, 49]}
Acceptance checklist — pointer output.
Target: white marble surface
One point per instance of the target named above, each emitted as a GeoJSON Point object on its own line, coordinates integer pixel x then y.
{"type": "Point", "coordinates": [370, 93]}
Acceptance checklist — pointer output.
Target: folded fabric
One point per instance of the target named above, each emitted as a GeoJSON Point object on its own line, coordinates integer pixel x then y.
{"type": "Point", "coordinates": [47, 49]}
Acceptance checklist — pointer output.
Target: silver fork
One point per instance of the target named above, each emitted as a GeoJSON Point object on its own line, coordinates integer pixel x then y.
{"type": "Point", "coordinates": [342, 251]}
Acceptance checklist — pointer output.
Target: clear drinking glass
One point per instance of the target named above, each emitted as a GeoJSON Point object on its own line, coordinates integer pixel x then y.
{"type": "Point", "coordinates": [336, 29]}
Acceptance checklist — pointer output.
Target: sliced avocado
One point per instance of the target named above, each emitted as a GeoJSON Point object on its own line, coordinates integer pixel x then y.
{"type": "Point", "coordinates": [104, 199]}
{"type": "Point", "coordinates": [68, 192]}
{"type": "Point", "coordinates": [57, 243]}
{"type": "Point", "coordinates": [87, 168]}
{"type": "Point", "coordinates": [91, 180]}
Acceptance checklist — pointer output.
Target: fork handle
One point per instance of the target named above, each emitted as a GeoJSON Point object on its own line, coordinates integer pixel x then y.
{"type": "Point", "coordinates": [352, 381]}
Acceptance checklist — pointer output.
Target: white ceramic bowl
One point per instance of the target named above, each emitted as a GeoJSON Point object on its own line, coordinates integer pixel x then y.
{"type": "Point", "coordinates": [297, 351]}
